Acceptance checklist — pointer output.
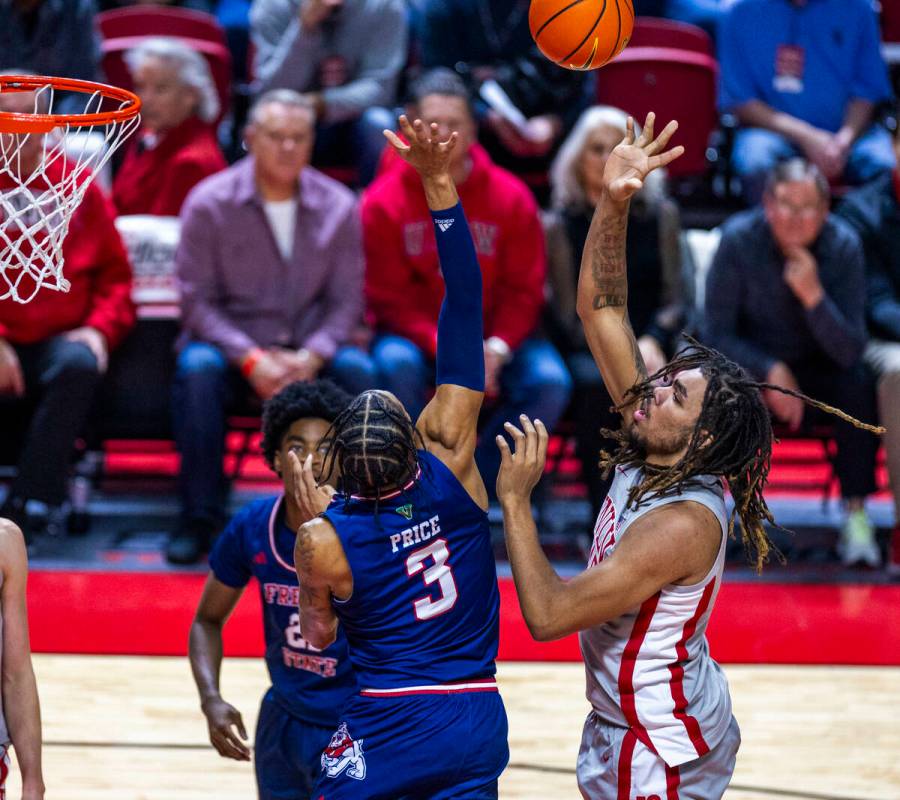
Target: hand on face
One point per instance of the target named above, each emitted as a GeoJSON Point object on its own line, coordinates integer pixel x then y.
{"type": "Point", "coordinates": [801, 274]}
{"type": "Point", "coordinates": [310, 497]}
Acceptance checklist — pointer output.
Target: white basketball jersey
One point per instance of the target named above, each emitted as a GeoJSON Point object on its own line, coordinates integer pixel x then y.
{"type": "Point", "coordinates": [650, 669]}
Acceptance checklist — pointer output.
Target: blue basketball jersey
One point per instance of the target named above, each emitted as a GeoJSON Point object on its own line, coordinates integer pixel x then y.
{"type": "Point", "coordinates": [425, 604]}
{"type": "Point", "coordinates": [310, 684]}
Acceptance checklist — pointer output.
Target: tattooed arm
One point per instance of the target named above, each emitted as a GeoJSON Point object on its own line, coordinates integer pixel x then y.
{"type": "Point", "coordinates": [323, 573]}
{"type": "Point", "coordinates": [603, 284]}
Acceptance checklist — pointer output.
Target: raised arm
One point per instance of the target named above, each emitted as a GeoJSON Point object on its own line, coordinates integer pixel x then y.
{"type": "Point", "coordinates": [602, 301]}
{"type": "Point", "coordinates": [448, 423]}
{"type": "Point", "coordinates": [20, 697]}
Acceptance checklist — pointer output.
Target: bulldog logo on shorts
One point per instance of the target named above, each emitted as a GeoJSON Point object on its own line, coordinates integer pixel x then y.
{"type": "Point", "coordinates": [344, 753]}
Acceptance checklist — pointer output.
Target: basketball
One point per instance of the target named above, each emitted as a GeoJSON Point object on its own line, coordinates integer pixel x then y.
{"type": "Point", "coordinates": [581, 34]}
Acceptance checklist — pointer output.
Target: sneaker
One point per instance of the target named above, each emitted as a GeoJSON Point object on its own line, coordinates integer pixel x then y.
{"type": "Point", "coordinates": [893, 558]}
{"type": "Point", "coordinates": [856, 544]}
{"type": "Point", "coordinates": [189, 544]}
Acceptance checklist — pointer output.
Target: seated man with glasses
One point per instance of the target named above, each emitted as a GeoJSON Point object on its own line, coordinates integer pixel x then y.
{"type": "Point", "coordinates": [785, 298]}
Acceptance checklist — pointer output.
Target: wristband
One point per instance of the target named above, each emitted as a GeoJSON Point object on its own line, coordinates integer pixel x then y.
{"type": "Point", "coordinates": [250, 361]}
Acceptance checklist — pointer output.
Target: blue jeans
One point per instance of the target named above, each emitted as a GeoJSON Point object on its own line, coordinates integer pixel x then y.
{"type": "Point", "coordinates": [206, 387]}
{"type": "Point", "coordinates": [705, 13]}
{"type": "Point", "coordinates": [535, 382]}
{"type": "Point", "coordinates": [757, 151]}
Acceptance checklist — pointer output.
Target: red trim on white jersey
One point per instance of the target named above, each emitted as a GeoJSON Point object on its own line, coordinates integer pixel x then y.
{"type": "Point", "coordinates": [676, 683]}
{"type": "Point", "coordinates": [625, 756]}
{"type": "Point", "coordinates": [455, 687]}
{"type": "Point", "coordinates": [626, 669]}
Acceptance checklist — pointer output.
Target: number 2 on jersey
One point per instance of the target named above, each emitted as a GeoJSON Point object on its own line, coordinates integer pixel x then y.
{"type": "Point", "coordinates": [439, 572]}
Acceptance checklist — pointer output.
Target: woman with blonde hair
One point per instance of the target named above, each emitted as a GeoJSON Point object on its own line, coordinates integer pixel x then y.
{"type": "Point", "coordinates": [654, 271]}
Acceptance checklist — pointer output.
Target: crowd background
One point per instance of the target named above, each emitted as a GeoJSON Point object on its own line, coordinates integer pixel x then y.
{"type": "Point", "coordinates": [255, 232]}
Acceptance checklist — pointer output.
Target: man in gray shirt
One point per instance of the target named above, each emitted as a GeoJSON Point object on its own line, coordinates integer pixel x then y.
{"type": "Point", "coordinates": [785, 298]}
{"type": "Point", "coordinates": [346, 57]}
{"type": "Point", "coordinates": [271, 270]}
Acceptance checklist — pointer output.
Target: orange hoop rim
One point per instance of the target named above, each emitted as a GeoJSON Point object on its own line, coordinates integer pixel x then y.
{"type": "Point", "coordinates": [12, 122]}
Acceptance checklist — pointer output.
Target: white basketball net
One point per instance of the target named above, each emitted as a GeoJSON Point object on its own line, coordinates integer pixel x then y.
{"type": "Point", "coordinates": [35, 210]}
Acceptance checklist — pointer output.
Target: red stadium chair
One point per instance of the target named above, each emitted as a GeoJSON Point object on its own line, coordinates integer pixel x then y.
{"type": "Point", "coordinates": [676, 84]}
{"type": "Point", "coordinates": [657, 32]}
{"type": "Point", "coordinates": [217, 56]}
{"type": "Point", "coordinates": [160, 21]}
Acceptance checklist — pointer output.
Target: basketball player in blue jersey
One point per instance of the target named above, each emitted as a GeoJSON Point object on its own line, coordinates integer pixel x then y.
{"type": "Point", "coordinates": [309, 684]}
{"type": "Point", "coordinates": [402, 556]}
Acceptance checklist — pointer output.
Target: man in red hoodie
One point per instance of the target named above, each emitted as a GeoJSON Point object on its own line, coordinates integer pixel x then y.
{"type": "Point", "coordinates": [404, 287]}
{"type": "Point", "coordinates": [54, 349]}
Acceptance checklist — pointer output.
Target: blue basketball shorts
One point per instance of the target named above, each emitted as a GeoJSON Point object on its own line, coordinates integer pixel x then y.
{"type": "Point", "coordinates": [449, 746]}
{"type": "Point", "coordinates": [288, 753]}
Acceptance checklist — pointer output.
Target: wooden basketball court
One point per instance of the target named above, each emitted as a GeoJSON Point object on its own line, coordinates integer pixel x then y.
{"type": "Point", "coordinates": [129, 728]}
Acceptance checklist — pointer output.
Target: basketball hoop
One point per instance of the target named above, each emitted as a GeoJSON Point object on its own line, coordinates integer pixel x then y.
{"type": "Point", "coordinates": [44, 174]}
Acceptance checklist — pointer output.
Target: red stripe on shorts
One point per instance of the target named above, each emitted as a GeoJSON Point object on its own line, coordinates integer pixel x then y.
{"type": "Point", "coordinates": [625, 756]}
{"type": "Point", "coordinates": [673, 780]}
{"type": "Point", "coordinates": [676, 682]}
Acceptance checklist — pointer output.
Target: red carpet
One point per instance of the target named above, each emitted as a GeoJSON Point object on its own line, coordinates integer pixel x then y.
{"type": "Point", "coordinates": [150, 614]}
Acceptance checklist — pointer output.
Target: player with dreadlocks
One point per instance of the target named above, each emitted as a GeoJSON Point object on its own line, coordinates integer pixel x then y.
{"type": "Point", "coordinates": [402, 556]}
{"type": "Point", "coordinates": [661, 723]}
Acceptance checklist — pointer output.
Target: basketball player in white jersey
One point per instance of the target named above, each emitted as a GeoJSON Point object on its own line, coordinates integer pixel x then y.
{"type": "Point", "coordinates": [20, 713]}
{"type": "Point", "coordinates": [661, 726]}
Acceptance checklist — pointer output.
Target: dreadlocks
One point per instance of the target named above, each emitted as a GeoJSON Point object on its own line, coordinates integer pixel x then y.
{"type": "Point", "coordinates": [373, 444]}
{"type": "Point", "coordinates": [732, 438]}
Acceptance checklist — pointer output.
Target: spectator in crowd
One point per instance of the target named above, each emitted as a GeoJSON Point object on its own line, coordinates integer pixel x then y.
{"type": "Point", "coordinates": [209, 6]}
{"type": "Point", "coordinates": [654, 265]}
{"type": "Point", "coordinates": [705, 13]}
{"type": "Point", "coordinates": [54, 350]}
{"type": "Point", "coordinates": [346, 57]}
{"type": "Point", "coordinates": [785, 298]}
{"type": "Point", "coordinates": [176, 146]}
{"type": "Point", "coordinates": [51, 37]}
{"type": "Point", "coordinates": [874, 211]}
{"type": "Point", "coordinates": [271, 271]}
{"type": "Point", "coordinates": [489, 40]}
{"type": "Point", "coordinates": [803, 78]}
{"type": "Point", "coordinates": [404, 286]}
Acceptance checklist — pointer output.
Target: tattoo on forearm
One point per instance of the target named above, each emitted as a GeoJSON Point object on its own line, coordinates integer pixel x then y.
{"type": "Point", "coordinates": [304, 550]}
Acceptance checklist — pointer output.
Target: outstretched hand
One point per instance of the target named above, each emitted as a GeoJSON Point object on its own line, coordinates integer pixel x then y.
{"type": "Point", "coordinates": [633, 160]}
{"type": "Point", "coordinates": [423, 149]}
{"type": "Point", "coordinates": [521, 468]}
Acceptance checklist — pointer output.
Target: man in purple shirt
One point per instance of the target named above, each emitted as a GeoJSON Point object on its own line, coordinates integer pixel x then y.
{"type": "Point", "coordinates": [271, 270]}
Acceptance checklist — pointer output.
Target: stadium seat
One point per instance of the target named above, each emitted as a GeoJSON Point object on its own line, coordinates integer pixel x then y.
{"type": "Point", "coordinates": [657, 32]}
{"type": "Point", "coordinates": [217, 56]}
{"type": "Point", "coordinates": [676, 84]}
{"type": "Point", "coordinates": [147, 20]}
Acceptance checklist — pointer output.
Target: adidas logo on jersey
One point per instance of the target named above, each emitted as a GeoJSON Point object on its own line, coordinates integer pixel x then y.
{"type": "Point", "coordinates": [444, 224]}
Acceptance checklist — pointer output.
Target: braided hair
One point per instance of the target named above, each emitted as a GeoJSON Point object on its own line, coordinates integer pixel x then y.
{"type": "Point", "coordinates": [373, 444]}
{"type": "Point", "coordinates": [732, 438]}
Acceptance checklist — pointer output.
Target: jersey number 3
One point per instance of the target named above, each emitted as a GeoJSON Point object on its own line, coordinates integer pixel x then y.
{"type": "Point", "coordinates": [439, 572]}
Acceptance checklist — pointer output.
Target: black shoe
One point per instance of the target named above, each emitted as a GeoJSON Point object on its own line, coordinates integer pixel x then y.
{"type": "Point", "coordinates": [189, 544]}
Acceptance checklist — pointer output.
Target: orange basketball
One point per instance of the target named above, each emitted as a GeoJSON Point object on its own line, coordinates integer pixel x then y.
{"type": "Point", "coordinates": [581, 34]}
